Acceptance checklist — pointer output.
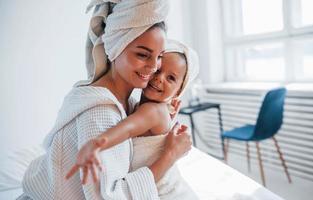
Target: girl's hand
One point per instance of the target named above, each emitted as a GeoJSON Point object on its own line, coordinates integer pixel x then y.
{"type": "Point", "coordinates": [178, 142]}
{"type": "Point", "coordinates": [88, 160]}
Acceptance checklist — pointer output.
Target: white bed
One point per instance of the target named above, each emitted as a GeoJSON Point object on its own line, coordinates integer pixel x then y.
{"type": "Point", "coordinates": [210, 178]}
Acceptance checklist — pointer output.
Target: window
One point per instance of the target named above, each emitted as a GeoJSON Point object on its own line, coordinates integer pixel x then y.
{"type": "Point", "coordinates": [268, 40]}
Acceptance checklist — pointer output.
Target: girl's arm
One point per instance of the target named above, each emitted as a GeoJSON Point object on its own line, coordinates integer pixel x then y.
{"type": "Point", "coordinates": [178, 142]}
{"type": "Point", "coordinates": [147, 116]}
{"type": "Point", "coordinates": [116, 181]}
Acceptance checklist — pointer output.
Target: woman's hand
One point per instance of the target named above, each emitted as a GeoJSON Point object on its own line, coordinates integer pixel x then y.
{"type": "Point", "coordinates": [88, 160]}
{"type": "Point", "coordinates": [175, 106]}
{"type": "Point", "coordinates": [178, 142]}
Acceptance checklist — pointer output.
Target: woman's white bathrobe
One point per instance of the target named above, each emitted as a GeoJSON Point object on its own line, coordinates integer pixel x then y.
{"type": "Point", "coordinates": [87, 112]}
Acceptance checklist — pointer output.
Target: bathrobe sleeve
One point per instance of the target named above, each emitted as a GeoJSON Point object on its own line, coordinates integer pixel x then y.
{"type": "Point", "coordinates": [115, 180]}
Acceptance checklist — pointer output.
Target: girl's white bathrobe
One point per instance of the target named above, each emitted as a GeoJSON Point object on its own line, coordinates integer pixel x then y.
{"type": "Point", "coordinates": [171, 186]}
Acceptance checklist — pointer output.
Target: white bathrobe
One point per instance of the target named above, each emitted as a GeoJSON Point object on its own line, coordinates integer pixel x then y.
{"type": "Point", "coordinates": [86, 113]}
{"type": "Point", "coordinates": [171, 186]}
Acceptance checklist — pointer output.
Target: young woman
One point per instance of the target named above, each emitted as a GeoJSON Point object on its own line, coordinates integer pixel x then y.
{"type": "Point", "coordinates": [152, 120]}
{"type": "Point", "coordinates": [132, 29]}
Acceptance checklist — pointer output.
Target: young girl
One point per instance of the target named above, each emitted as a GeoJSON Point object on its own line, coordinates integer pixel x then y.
{"type": "Point", "coordinates": [151, 120]}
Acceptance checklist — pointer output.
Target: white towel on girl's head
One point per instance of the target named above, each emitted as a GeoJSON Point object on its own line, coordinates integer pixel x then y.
{"type": "Point", "coordinates": [191, 59]}
{"type": "Point", "coordinates": [114, 24]}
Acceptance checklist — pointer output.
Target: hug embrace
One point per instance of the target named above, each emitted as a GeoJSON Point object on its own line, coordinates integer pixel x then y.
{"type": "Point", "coordinates": [104, 144]}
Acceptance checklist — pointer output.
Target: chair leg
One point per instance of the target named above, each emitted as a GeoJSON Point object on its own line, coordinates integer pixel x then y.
{"type": "Point", "coordinates": [248, 156]}
{"type": "Point", "coordinates": [226, 150]}
{"type": "Point", "coordinates": [282, 159]}
{"type": "Point", "coordinates": [260, 163]}
{"type": "Point", "coordinates": [223, 148]}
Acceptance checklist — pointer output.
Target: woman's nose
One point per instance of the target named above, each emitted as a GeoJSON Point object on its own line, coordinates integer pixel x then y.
{"type": "Point", "coordinates": [152, 66]}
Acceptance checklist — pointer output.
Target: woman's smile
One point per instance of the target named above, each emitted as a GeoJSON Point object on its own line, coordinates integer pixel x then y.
{"type": "Point", "coordinates": [145, 77]}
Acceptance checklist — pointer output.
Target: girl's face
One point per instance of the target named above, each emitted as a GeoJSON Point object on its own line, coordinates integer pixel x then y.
{"type": "Point", "coordinates": [141, 58]}
{"type": "Point", "coordinates": [167, 81]}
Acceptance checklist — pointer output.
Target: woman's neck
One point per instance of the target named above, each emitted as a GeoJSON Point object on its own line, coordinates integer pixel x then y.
{"type": "Point", "coordinates": [120, 89]}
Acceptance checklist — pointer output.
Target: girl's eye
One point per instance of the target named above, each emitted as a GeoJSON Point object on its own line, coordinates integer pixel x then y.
{"type": "Point", "coordinates": [157, 72]}
{"type": "Point", "coordinates": [160, 57]}
{"type": "Point", "coordinates": [172, 78]}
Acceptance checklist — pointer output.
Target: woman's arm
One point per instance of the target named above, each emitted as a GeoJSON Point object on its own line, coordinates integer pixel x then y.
{"type": "Point", "coordinates": [146, 117]}
{"type": "Point", "coordinates": [178, 142]}
{"type": "Point", "coordinates": [115, 182]}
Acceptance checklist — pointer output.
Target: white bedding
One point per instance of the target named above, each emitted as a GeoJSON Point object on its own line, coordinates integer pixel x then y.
{"type": "Point", "coordinates": [209, 178]}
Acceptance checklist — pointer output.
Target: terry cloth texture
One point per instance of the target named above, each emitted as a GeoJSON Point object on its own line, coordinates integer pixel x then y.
{"type": "Point", "coordinates": [87, 112]}
{"type": "Point", "coordinates": [113, 25]}
{"type": "Point", "coordinates": [191, 59]}
{"type": "Point", "coordinates": [171, 186]}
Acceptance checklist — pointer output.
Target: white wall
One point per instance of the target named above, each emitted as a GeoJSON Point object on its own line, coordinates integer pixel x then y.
{"type": "Point", "coordinates": [41, 57]}
{"type": "Point", "coordinates": [198, 24]}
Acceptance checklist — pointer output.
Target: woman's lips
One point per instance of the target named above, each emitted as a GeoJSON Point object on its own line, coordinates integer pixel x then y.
{"type": "Point", "coordinates": [144, 76]}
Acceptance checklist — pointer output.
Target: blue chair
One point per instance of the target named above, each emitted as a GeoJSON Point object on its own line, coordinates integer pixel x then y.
{"type": "Point", "coordinates": [268, 123]}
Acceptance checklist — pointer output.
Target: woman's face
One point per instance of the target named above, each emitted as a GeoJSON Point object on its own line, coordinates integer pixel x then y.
{"type": "Point", "coordinates": [141, 58]}
{"type": "Point", "coordinates": [168, 80]}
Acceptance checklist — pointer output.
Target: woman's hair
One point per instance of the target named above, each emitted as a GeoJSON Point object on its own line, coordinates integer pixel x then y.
{"type": "Point", "coordinates": [160, 25]}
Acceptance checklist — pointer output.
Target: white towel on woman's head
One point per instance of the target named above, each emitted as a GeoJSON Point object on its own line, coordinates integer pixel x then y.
{"type": "Point", "coordinates": [191, 59]}
{"type": "Point", "coordinates": [113, 25]}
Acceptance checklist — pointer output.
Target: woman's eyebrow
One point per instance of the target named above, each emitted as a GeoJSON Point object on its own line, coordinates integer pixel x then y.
{"type": "Point", "coordinates": [145, 48]}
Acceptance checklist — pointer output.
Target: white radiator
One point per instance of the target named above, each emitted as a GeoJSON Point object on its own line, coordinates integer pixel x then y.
{"type": "Point", "coordinates": [238, 108]}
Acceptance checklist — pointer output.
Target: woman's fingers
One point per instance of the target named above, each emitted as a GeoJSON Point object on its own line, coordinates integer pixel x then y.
{"type": "Point", "coordinates": [85, 175]}
{"type": "Point", "coordinates": [98, 163]}
{"type": "Point", "coordinates": [183, 128]}
{"type": "Point", "coordinates": [93, 173]}
{"type": "Point", "coordinates": [72, 171]}
{"type": "Point", "coordinates": [175, 128]}
{"type": "Point", "coordinates": [177, 105]}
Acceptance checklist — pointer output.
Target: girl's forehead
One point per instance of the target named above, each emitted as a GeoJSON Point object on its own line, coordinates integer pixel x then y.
{"type": "Point", "coordinates": [174, 61]}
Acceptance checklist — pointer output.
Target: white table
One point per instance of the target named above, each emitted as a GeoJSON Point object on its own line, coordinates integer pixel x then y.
{"type": "Point", "coordinates": [211, 179]}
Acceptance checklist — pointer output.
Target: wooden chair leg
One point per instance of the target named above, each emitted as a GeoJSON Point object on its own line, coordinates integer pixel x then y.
{"type": "Point", "coordinates": [248, 156]}
{"type": "Point", "coordinates": [282, 159]}
{"type": "Point", "coordinates": [226, 150]}
{"type": "Point", "coordinates": [223, 148]}
{"type": "Point", "coordinates": [260, 163]}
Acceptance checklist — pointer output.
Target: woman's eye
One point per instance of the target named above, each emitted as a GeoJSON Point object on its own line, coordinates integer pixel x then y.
{"type": "Point", "coordinates": [142, 55]}
{"type": "Point", "coordinates": [157, 72]}
{"type": "Point", "coordinates": [160, 57]}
